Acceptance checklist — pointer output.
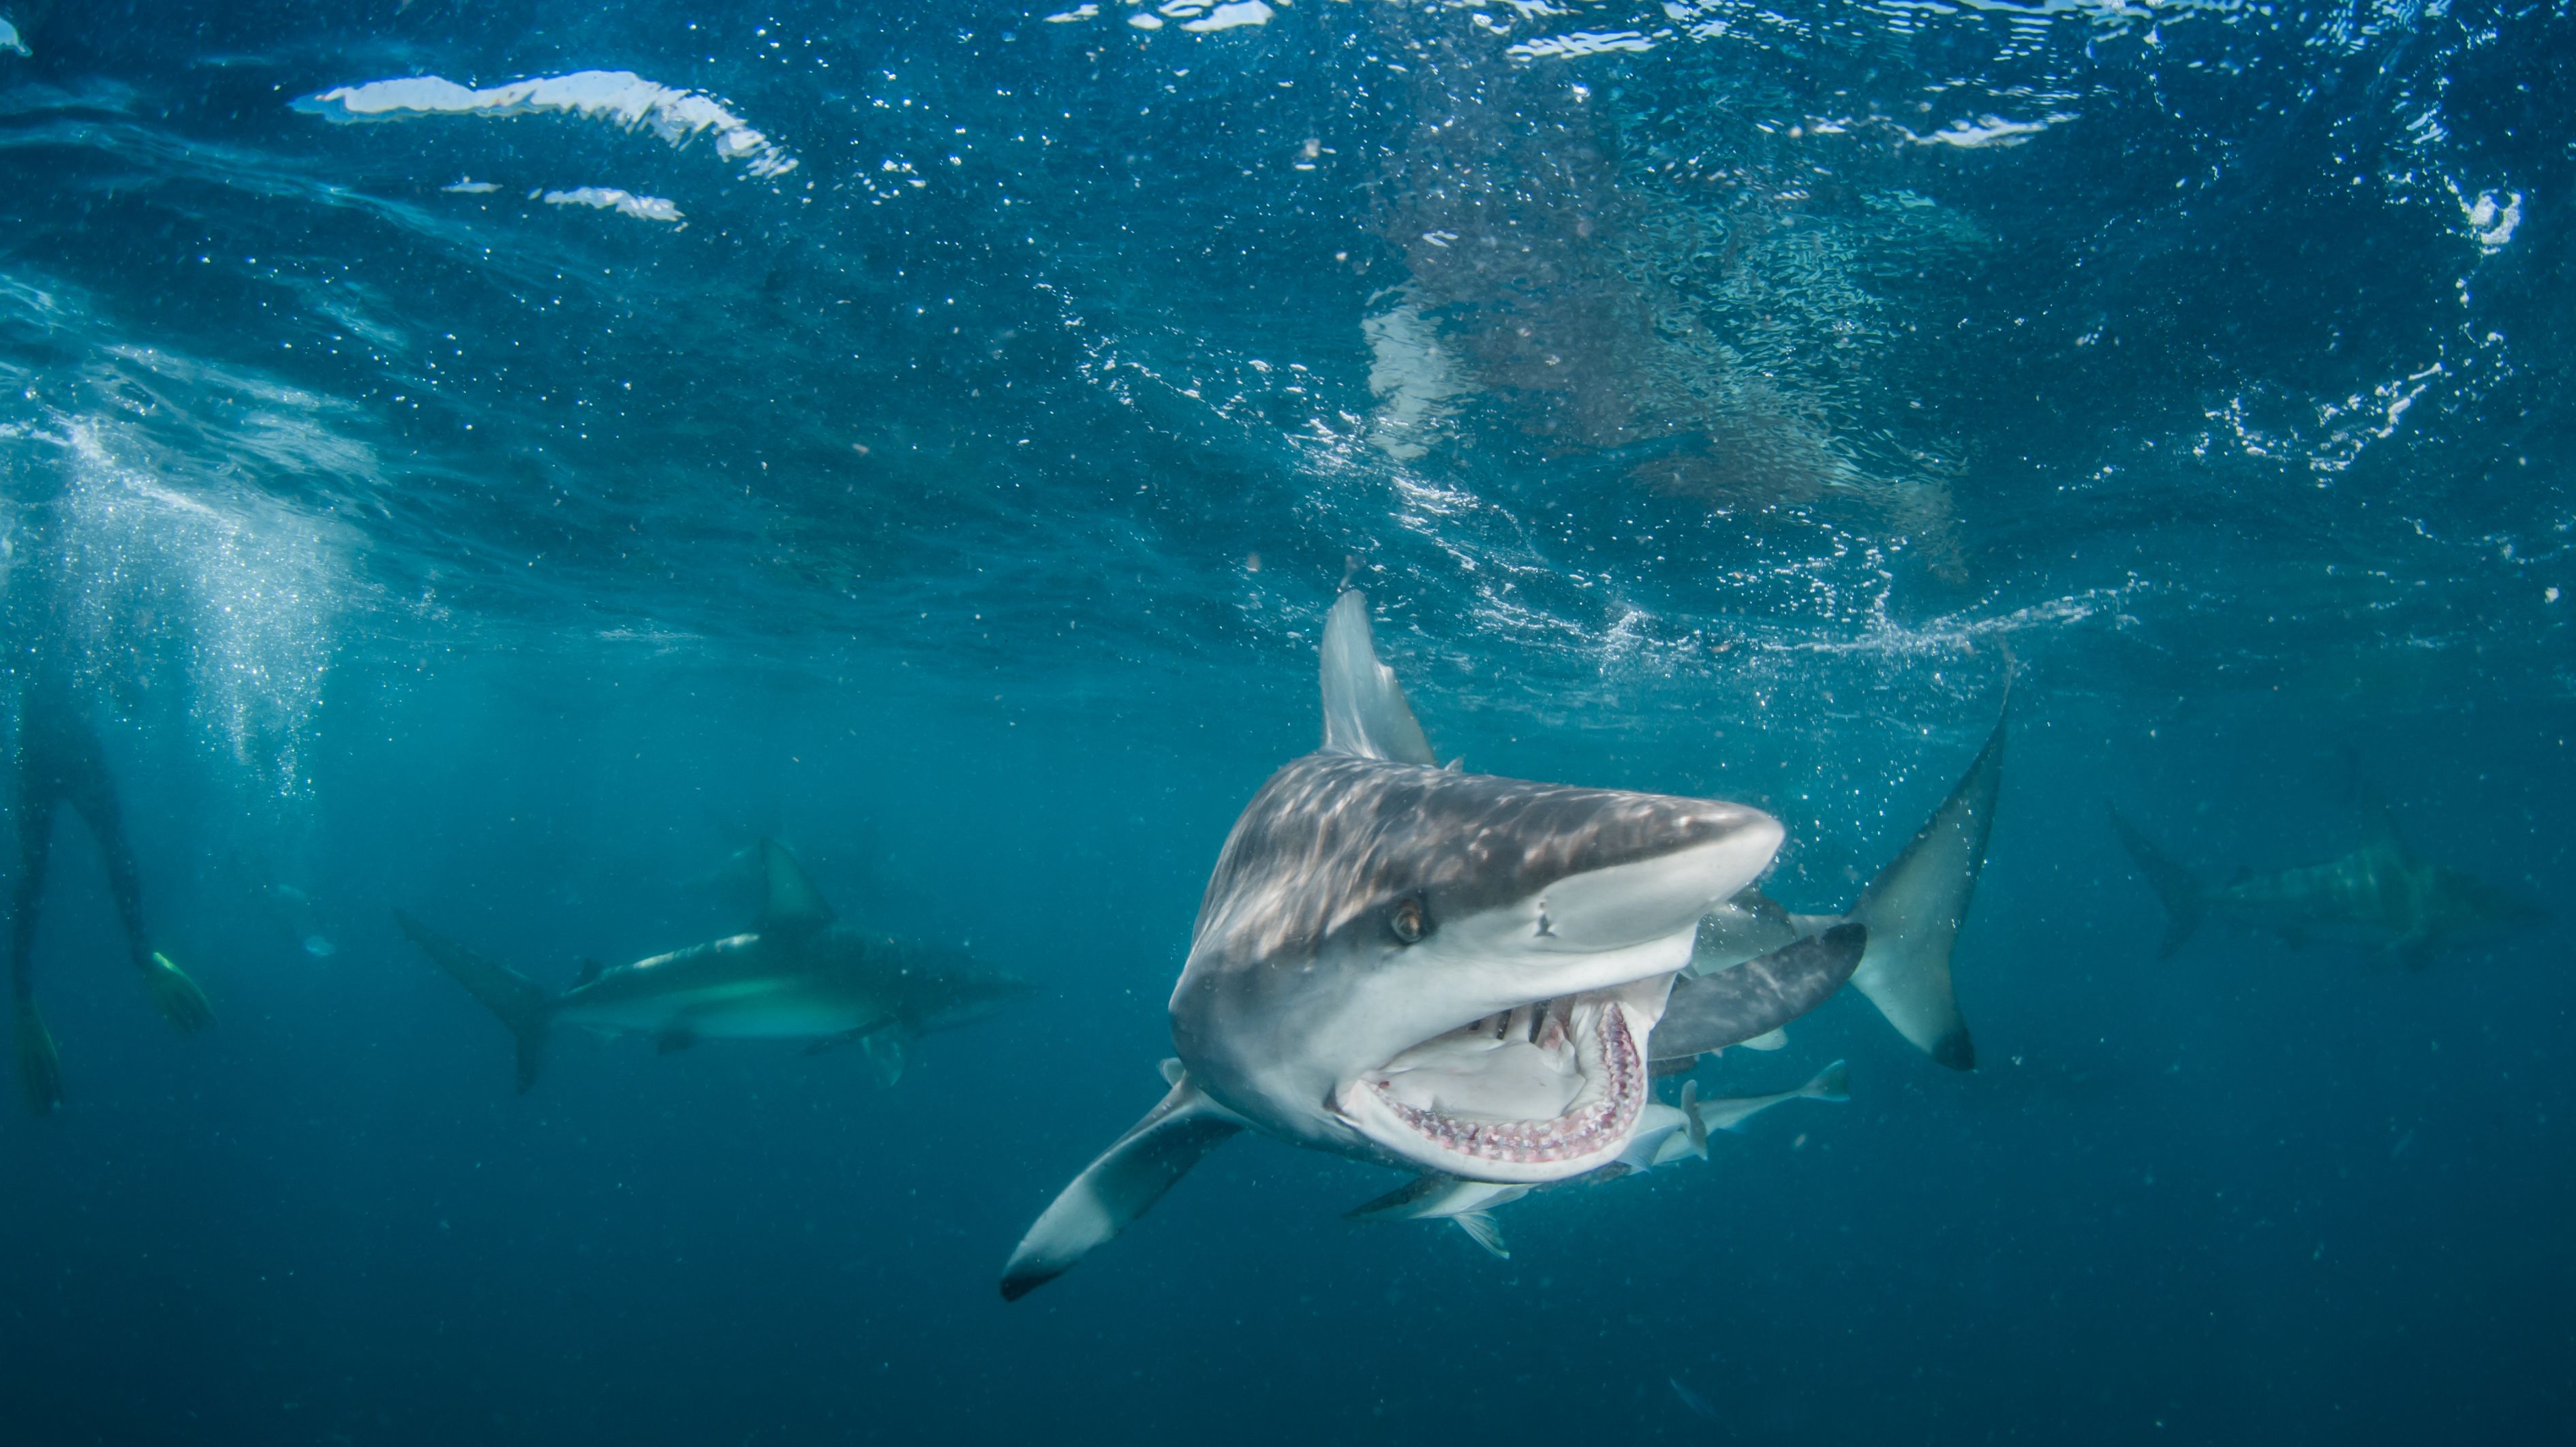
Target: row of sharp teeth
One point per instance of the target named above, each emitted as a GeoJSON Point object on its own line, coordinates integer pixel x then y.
{"type": "Point", "coordinates": [1529, 1022]}
{"type": "Point", "coordinates": [1532, 1142]}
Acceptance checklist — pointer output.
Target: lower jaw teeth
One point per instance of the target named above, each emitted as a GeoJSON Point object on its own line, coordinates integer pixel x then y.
{"type": "Point", "coordinates": [1534, 1142]}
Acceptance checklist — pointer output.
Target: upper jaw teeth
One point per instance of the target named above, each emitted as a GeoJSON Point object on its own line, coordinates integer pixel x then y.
{"type": "Point", "coordinates": [1601, 1117]}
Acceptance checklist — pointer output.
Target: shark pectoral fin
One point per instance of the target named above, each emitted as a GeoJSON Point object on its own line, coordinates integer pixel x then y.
{"type": "Point", "coordinates": [835, 1042]}
{"type": "Point", "coordinates": [1691, 1122]}
{"type": "Point", "coordinates": [790, 904]}
{"type": "Point", "coordinates": [886, 1053]}
{"type": "Point", "coordinates": [1123, 1184]}
{"type": "Point", "coordinates": [1481, 1229]}
{"type": "Point", "coordinates": [674, 1039]}
{"type": "Point", "coordinates": [1711, 1012]}
{"type": "Point", "coordinates": [1404, 1203]}
{"type": "Point", "coordinates": [1364, 709]}
{"type": "Point", "coordinates": [1768, 1040]}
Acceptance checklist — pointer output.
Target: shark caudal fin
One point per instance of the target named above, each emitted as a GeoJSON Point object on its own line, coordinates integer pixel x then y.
{"type": "Point", "coordinates": [1482, 1229]}
{"type": "Point", "coordinates": [1832, 1083]}
{"type": "Point", "coordinates": [519, 1002]}
{"type": "Point", "coordinates": [1364, 708]}
{"type": "Point", "coordinates": [1123, 1184]}
{"type": "Point", "coordinates": [2183, 898]}
{"type": "Point", "coordinates": [1915, 906]}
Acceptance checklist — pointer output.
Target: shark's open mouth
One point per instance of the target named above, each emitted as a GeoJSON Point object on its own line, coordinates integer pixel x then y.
{"type": "Point", "coordinates": [1544, 1091]}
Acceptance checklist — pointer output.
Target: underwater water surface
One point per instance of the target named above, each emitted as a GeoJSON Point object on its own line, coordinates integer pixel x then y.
{"type": "Point", "coordinates": [498, 463]}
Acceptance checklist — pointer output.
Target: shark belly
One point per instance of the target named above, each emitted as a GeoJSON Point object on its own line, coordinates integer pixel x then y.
{"type": "Point", "coordinates": [732, 1010]}
{"type": "Point", "coordinates": [2346, 901]}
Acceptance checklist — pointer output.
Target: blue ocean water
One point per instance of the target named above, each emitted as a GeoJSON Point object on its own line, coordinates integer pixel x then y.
{"type": "Point", "coordinates": [497, 461]}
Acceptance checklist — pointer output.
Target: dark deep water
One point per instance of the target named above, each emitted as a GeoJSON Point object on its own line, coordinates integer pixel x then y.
{"type": "Point", "coordinates": [1715, 399]}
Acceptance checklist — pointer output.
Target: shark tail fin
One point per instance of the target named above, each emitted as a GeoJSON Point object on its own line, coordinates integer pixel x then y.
{"type": "Point", "coordinates": [1914, 909]}
{"type": "Point", "coordinates": [1123, 1184]}
{"type": "Point", "coordinates": [521, 1004]}
{"type": "Point", "coordinates": [1832, 1083]}
{"type": "Point", "coordinates": [2184, 900]}
{"type": "Point", "coordinates": [1483, 1230]}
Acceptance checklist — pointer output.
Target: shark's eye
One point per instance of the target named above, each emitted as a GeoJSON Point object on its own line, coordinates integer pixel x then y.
{"type": "Point", "coordinates": [1408, 920]}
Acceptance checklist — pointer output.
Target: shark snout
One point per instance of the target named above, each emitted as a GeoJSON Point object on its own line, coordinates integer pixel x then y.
{"type": "Point", "coordinates": [1654, 866]}
{"type": "Point", "coordinates": [1660, 893]}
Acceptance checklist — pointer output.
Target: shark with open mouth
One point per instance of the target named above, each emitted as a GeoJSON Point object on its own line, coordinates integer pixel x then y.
{"type": "Point", "coordinates": [1443, 972]}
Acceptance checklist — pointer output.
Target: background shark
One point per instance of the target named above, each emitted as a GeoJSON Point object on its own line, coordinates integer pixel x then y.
{"type": "Point", "coordinates": [1413, 966]}
{"type": "Point", "coordinates": [2381, 896]}
{"type": "Point", "coordinates": [1669, 1133]}
{"type": "Point", "coordinates": [796, 975]}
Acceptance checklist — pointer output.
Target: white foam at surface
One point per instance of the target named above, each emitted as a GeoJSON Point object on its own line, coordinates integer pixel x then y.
{"type": "Point", "coordinates": [2491, 221]}
{"type": "Point", "coordinates": [624, 203]}
{"type": "Point", "coordinates": [1584, 42]}
{"type": "Point", "coordinates": [471, 188]}
{"type": "Point", "coordinates": [1227, 17]}
{"type": "Point", "coordinates": [1987, 131]}
{"type": "Point", "coordinates": [620, 97]}
{"type": "Point", "coordinates": [1416, 382]}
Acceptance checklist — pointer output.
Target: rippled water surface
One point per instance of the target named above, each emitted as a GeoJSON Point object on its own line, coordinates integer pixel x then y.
{"type": "Point", "coordinates": [497, 461]}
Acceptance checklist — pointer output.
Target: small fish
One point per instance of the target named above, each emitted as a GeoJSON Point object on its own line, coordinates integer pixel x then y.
{"type": "Point", "coordinates": [1699, 1405]}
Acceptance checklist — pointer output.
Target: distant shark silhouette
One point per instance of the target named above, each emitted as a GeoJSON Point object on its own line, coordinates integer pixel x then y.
{"type": "Point", "coordinates": [796, 975]}
{"type": "Point", "coordinates": [1444, 972]}
{"type": "Point", "coordinates": [2382, 896]}
{"type": "Point", "coordinates": [1668, 1133]}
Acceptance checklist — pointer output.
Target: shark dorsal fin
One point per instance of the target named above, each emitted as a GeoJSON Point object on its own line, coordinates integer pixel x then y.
{"type": "Point", "coordinates": [591, 970]}
{"type": "Point", "coordinates": [1365, 714]}
{"type": "Point", "coordinates": [2379, 829]}
{"type": "Point", "coordinates": [1761, 906]}
{"type": "Point", "coordinates": [791, 903]}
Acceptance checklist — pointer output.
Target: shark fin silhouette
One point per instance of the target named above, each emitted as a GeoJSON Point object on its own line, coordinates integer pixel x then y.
{"type": "Point", "coordinates": [1916, 904]}
{"type": "Point", "coordinates": [2183, 898]}
{"type": "Point", "coordinates": [1123, 1184]}
{"type": "Point", "coordinates": [1364, 709]}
